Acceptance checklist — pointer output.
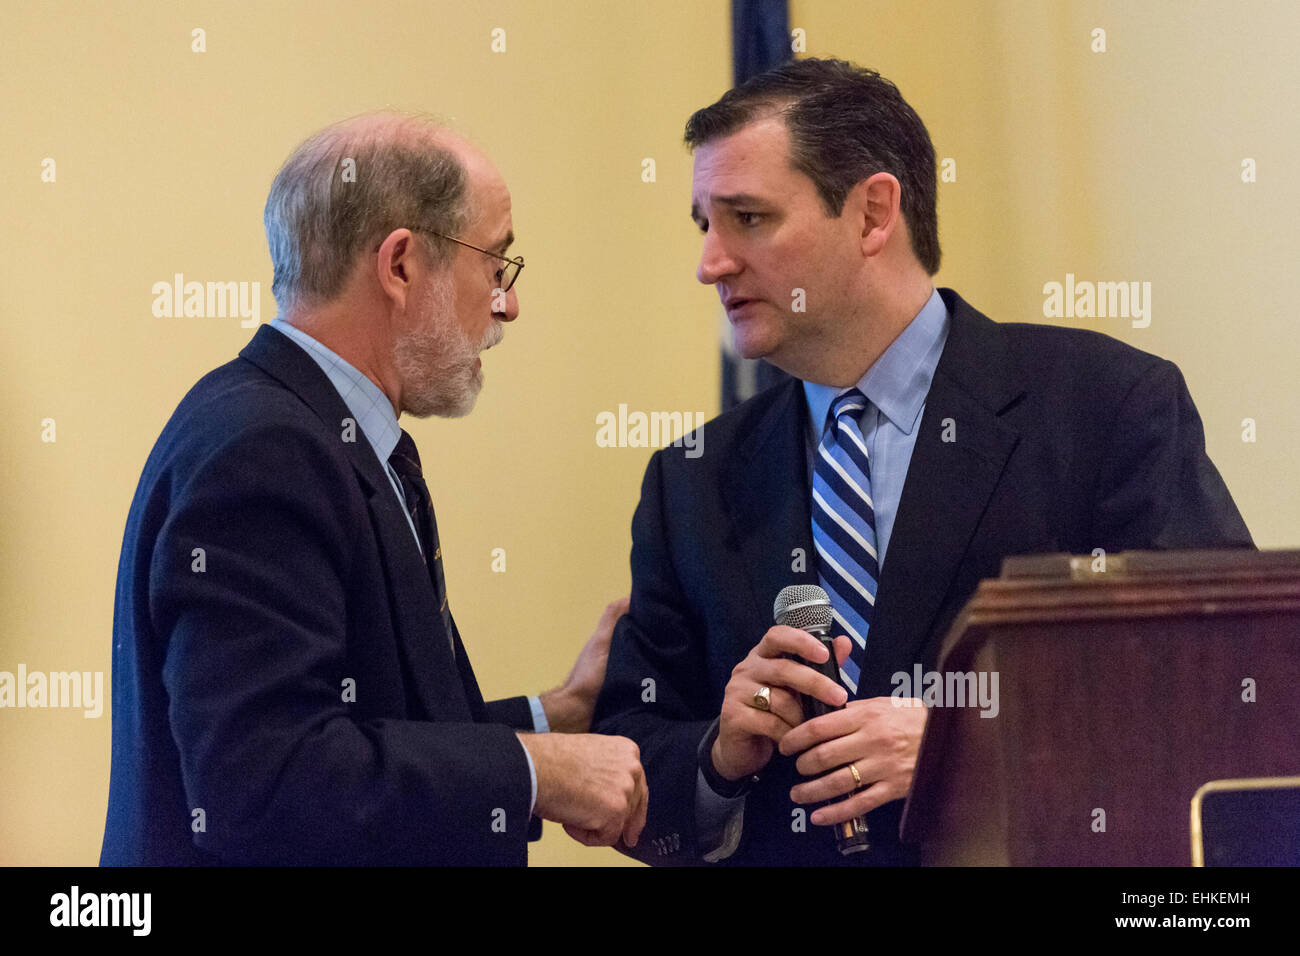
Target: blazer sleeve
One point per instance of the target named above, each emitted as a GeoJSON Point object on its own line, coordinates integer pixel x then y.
{"type": "Point", "coordinates": [655, 685]}
{"type": "Point", "coordinates": [247, 585]}
{"type": "Point", "coordinates": [512, 711]}
{"type": "Point", "coordinates": [1158, 489]}
{"type": "Point", "coordinates": [515, 712]}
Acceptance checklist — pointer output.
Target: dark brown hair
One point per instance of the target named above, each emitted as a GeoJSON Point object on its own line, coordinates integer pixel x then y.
{"type": "Point", "coordinates": [846, 124]}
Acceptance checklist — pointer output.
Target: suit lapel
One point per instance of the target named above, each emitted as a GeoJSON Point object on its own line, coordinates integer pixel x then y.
{"type": "Point", "coordinates": [422, 639]}
{"type": "Point", "coordinates": [948, 486]}
{"type": "Point", "coordinates": [771, 523]}
{"type": "Point", "coordinates": [961, 449]}
{"type": "Point", "coordinates": [470, 683]}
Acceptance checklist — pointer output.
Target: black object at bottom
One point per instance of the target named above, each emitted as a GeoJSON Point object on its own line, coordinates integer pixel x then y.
{"type": "Point", "coordinates": [851, 836]}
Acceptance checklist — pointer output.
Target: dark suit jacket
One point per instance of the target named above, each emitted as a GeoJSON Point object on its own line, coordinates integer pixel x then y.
{"type": "Point", "coordinates": [267, 562]}
{"type": "Point", "coordinates": [1065, 440]}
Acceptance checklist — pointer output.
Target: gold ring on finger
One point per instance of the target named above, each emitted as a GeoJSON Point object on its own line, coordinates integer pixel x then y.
{"type": "Point", "coordinates": [762, 699]}
{"type": "Point", "coordinates": [857, 778]}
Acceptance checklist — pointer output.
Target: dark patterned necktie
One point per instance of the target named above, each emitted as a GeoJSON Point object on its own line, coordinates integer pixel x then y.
{"type": "Point", "coordinates": [405, 460]}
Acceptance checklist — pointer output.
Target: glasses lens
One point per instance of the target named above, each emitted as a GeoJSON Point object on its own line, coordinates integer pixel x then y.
{"type": "Point", "coordinates": [509, 275]}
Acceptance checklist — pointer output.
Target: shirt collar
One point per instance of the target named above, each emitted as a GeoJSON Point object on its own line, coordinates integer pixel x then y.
{"type": "Point", "coordinates": [365, 400]}
{"type": "Point", "coordinates": [900, 379]}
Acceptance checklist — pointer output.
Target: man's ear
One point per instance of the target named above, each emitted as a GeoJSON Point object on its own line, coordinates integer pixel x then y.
{"type": "Point", "coordinates": [395, 265]}
{"type": "Point", "coordinates": [875, 204]}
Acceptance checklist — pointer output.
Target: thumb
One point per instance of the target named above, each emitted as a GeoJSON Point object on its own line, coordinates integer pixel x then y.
{"type": "Point", "coordinates": [614, 610]}
{"type": "Point", "coordinates": [843, 645]}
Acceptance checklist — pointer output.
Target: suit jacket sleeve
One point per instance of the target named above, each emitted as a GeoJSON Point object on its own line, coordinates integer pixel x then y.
{"type": "Point", "coordinates": [1159, 489]}
{"type": "Point", "coordinates": [256, 641]}
{"type": "Point", "coordinates": [513, 712]}
{"type": "Point", "coordinates": [655, 689]}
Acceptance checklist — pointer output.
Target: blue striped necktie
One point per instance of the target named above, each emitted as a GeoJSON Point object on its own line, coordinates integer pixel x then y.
{"type": "Point", "coordinates": [844, 527]}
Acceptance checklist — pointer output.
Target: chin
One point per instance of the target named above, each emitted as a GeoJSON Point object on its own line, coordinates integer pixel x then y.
{"type": "Point", "coordinates": [436, 399]}
{"type": "Point", "coordinates": [752, 347]}
{"type": "Point", "coordinates": [771, 354]}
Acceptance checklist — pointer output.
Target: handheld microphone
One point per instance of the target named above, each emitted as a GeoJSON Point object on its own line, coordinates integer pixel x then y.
{"type": "Point", "coordinates": [808, 608]}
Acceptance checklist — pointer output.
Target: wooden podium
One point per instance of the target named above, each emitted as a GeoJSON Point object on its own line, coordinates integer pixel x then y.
{"type": "Point", "coordinates": [1125, 683]}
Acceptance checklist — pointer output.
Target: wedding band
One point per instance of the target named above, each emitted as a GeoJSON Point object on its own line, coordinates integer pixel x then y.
{"type": "Point", "coordinates": [762, 699]}
{"type": "Point", "coordinates": [857, 780]}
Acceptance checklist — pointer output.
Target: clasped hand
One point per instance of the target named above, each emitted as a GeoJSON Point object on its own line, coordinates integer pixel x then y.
{"type": "Point", "coordinates": [877, 736]}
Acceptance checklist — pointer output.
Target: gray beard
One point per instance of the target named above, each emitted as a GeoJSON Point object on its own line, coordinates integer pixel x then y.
{"type": "Point", "coordinates": [436, 361]}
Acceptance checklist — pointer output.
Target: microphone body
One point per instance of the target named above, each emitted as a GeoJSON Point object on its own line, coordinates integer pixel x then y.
{"type": "Point", "coordinates": [808, 608]}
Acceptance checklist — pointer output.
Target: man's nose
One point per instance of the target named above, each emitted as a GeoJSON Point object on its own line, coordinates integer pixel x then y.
{"type": "Point", "coordinates": [511, 310]}
{"type": "Point", "coordinates": [716, 261]}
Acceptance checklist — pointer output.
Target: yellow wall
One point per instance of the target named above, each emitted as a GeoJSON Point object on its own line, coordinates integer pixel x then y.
{"type": "Point", "coordinates": [1122, 165]}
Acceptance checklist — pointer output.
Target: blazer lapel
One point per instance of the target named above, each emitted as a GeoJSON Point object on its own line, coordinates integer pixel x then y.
{"type": "Point", "coordinates": [961, 449]}
{"type": "Point", "coordinates": [424, 642]}
{"type": "Point", "coordinates": [425, 646]}
{"type": "Point", "coordinates": [478, 710]}
{"type": "Point", "coordinates": [771, 523]}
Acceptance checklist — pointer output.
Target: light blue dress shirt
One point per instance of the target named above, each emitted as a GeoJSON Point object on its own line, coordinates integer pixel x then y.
{"type": "Point", "coordinates": [374, 416]}
{"type": "Point", "coordinates": [896, 387]}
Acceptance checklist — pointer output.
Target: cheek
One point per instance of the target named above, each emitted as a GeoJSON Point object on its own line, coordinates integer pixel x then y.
{"type": "Point", "coordinates": [474, 304]}
{"type": "Point", "coordinates": [794, 263]}
{"type": "Point", "coordinates": [827, 273]}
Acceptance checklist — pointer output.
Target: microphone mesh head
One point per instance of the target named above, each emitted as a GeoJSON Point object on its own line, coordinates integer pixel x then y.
{"type": "Point", "coordinates": [805, 606]}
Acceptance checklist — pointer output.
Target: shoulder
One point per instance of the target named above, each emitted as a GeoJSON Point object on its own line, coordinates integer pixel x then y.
{"type": "Point", "coordinates": [244, 457]}
{"type": "Point", "coordinates": [239, 396]}
{"type": "Point", "coordinates": [1049, 362]}
{"type": "Point", "coordinates": [1064, 349]}
{"type": "Point", "coordinates": [240, 425]}
{"type": "Point", "coordinates": [1096, 376]}
{"type": "Point", "coordinates": [738, 433]}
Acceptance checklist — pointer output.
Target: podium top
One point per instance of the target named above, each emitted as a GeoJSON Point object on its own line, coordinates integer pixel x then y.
{"type": "Point", "coordinates": [1218, 563]}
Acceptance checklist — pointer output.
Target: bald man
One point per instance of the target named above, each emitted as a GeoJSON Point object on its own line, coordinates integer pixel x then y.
{"type": "Point", "coordinates": [289, 686]}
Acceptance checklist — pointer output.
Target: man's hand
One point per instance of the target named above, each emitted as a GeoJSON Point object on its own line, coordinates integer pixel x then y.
{"type": "Point", "coordinates": [747, 735]}
{"type": "Point", "coordinates": [569, 707]}
{"type": "Point", "coordinates": [590, 783]}
{"type": "Point", "coordinates": [880, 736]}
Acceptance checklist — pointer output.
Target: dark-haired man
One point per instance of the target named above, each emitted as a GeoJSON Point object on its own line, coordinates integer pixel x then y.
{"type": "Point", "coordinates": [918, 445]}
{"type": "Point", "coordinates": [289, 686]}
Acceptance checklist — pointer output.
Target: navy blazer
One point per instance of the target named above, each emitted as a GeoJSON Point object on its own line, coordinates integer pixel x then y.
{"type": "Point", "coordinates": [1061, 440]}
{"type": "Point", "coordinates": [284, 690]}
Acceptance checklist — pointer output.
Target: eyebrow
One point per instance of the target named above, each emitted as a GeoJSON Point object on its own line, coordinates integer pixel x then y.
{"type": "Point", "coordinates": [505, 243]}
{"type": "Point", "coordinates": [734, 199]}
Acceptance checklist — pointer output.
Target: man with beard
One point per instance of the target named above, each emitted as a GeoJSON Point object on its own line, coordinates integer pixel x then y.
{"type": "Point", "coordinates": [289, 686]}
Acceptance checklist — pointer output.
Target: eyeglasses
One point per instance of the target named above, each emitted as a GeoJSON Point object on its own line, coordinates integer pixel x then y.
{"type": "Point", "coordinates": [506, 275]}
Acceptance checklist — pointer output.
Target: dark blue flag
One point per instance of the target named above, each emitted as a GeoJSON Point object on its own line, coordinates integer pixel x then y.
{"type": "Point", "coordinates": [760, 40]}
